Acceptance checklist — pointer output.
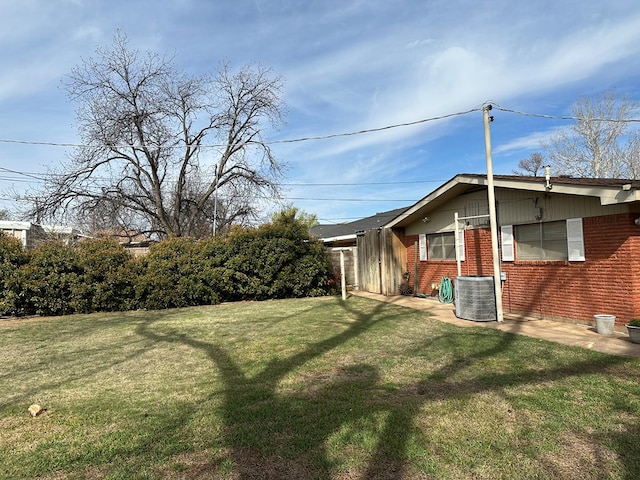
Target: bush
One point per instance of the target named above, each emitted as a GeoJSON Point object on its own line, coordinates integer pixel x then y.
{"type": "Point", "coordinates": [172, 276]}
{"type": "Point", "coordinates": [108, 277]}
{"type": "Point", "coordinates": [45, 285]}
{"type": "Point", "coordinates": [12, 258]}
{"type": "Point", "coordinates": [276, 260]}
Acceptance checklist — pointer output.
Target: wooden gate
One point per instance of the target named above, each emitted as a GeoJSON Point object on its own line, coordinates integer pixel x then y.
{"type": "Point", "coordinates": [381, 261]}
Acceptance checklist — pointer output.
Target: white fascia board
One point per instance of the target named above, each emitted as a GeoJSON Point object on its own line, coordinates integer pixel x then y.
{"type": "Point", "coordinates": [607, 195]}
{"type": "Point", "coordinates": [428, 199]}
{"type": "Point", "coordinates": [9, 225]}
{"type": "Point", "coordinates": [620, 196]}
{"type": "Point", "coordinates": [339, 238]}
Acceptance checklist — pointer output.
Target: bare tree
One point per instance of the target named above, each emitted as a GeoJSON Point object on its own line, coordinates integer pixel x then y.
{"type": "Point", "coordinates": [531, 166]}
{"type": "Point", "coordinates": [144, 158]}
{"type": "Point", "coordinates": [601, 143]}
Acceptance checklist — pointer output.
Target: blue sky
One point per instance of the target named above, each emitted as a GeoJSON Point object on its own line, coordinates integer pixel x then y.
{"type": "Point", "coordinates": [348, 66]}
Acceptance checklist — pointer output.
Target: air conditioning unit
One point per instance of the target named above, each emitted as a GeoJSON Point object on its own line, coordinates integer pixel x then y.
{"type": "Point", "coordinates": [475, 299]}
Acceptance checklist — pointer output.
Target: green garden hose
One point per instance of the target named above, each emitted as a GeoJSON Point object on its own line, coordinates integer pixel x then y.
{"type": "Point", "coordinates": [446, 290]}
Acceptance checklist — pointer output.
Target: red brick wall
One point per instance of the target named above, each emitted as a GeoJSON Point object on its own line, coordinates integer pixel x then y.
{"type": "Point", "coordinates": [607, 282]}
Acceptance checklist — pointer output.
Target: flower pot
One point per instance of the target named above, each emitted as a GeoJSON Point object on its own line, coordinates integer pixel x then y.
{"type": "Point", "coordinates": [605, 323]}
{"type": "Point", "coordinates": [634, 333]}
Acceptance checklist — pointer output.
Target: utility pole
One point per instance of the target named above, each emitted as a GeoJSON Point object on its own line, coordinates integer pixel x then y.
{"type": "Point", "coordinates": [215, 203]}
{"type": "Point", "coordinates": [492, 214]}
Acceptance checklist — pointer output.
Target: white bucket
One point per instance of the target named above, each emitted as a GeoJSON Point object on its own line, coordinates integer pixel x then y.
{"type": "Point", "coordinates": [605, 323]}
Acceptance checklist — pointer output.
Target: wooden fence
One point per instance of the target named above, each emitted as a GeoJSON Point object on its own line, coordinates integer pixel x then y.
{"type": "Point", "coordinates": [382, 259]}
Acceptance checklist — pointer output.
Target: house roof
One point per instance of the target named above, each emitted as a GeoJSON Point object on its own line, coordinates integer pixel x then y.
{"type": "Point", "coordinates": [346, 231]}
{"type": "Point", "coordinates": [11, 225]}
{"type": "Point", "coordinates": [610, 191]}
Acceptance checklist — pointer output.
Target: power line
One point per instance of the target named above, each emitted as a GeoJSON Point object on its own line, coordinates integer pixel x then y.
{"type": "Point", "coordinates": [271, 142]}
{"type": "Point", "coordinates": [565, 117]}
{"type": "Point", "coordinates": [379, 129]}
{"type": "Point", "coordinates": [345, 199]}
{"type": "Point", "coordinates": [343, 134]}
{"type": "Point", "coordinates": [41, 177]}
{"type": "Point", "coordinates": [24, 174]}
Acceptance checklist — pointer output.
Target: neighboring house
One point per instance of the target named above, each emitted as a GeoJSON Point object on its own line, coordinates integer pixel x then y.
{"type": "Point", "coordinates": [569, 248]}
{"type": "Point", "coordinates": [343, 237]}
{"type": "Point", "coordinates": [135, 243]}
{"type": "Point", "coordinates": [67, 235]}
{"type": "Point", "coordinates": [138, 248]}
{"type": "Point", "coordinates": [30, 234]}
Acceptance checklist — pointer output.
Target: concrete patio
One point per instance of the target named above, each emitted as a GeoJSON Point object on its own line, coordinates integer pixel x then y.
{"type": "Point", "coordinates": [574, 334]}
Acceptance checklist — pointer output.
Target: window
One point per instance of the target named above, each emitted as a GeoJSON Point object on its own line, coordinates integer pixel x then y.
{"type": "Point", "coordinates": [442, 246]}
{"type": "Point", "coordinates": [562, 240]}
{"type": "Point", "coordinates": [542, 241]}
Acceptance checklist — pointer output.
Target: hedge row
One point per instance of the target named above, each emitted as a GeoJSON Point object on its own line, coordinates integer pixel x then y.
{"type": "Point", "coordinates": [274, 261]}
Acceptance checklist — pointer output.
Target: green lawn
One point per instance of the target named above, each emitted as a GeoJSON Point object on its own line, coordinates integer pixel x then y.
{"type": "Point", "coordinates": [313, 388]}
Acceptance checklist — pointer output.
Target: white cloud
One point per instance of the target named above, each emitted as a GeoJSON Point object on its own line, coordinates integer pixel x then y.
{"type": "Point", "coordinates": [531, 141]}
{"type": "Point", "coordinates": [351, 65]}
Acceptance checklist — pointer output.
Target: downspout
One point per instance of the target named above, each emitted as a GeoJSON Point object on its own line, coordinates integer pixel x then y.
{"type": "Point", "coordinates": [415, 268]}
{"type": "Point", "coordinates": [380, 258]}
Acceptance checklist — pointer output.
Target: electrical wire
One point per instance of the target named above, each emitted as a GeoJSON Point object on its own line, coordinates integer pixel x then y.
{"type": "Point", "coordinates": [346, 134]}
{"type": "Point", "coordinates": [272, 142]}
{"type": "Point", "coordinates": [40, 177]}
{"type": "Point", "coordinates": [564, 117]}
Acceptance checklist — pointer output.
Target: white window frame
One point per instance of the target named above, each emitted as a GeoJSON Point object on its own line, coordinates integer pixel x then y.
{"type": "Point", "coordinates": [441, 234]}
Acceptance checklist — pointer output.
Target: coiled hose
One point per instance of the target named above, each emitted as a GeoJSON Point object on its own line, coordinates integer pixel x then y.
{"type": "Point", "coordinates": [446, 290]}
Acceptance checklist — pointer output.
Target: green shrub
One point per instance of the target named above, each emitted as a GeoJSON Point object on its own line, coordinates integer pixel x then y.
{"type": "Point", "coordinates": [108, 277]}
{"type": "Point", "coordinates": [216, 272]}
{"type": "Point", "coordinates": [12, 257]}
{"type": "Point", "coordinates": [45, 285]}
{"type": "Point", "coordinates": [172, 276]}
{"type": "Point", "coordinates": [276, 260]}
{"type": "Point", "coordinates": [634, 322]}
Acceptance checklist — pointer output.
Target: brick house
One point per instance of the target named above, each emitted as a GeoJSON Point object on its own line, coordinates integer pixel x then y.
{"type": "Point", "coordinates": [569, 248]}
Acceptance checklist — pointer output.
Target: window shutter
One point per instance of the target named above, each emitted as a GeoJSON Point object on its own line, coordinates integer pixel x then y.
{"type": "Point", "coordinates": [575, 240]}
{"type": "Point", "coordinates": [461, 243]}
{"type": "Point", "coordinates": [508, 253]}
{"type": "Point", "coordinates": [423, 247]}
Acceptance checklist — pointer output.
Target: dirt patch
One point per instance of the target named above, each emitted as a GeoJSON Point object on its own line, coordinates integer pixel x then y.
{"type": "Point", "coordinates": [580, 457]}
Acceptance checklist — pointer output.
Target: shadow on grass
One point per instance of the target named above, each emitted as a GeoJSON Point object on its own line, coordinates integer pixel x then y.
{"type": "Point", "coordinates": [40, 376]}
{"type": "Point", "coordinates": [269, 433]}
{"type": "Point", "coordinates": [264, 426]}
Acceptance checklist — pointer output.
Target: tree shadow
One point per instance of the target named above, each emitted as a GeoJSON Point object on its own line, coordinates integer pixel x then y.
{"type": "Point", "coordinates": [266, 427]}
{"type": "Point", "coordinates": [103, 357]}
{"type": "Point", "coordinates": [263, 424]}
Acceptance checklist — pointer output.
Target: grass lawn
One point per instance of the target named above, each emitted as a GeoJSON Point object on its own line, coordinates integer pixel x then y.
{"type": "Point", "coordinates": [312, 388]}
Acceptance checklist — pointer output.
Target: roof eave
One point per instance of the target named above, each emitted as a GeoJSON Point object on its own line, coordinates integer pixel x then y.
{"type": "Point", "coordinates": [608, 195]}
